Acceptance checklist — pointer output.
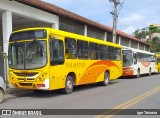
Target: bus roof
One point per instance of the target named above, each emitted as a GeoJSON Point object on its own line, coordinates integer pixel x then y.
{"type": "Point", "coordinates": [136, 50]}
{"type": "Point", "coordinates": [71, 35]}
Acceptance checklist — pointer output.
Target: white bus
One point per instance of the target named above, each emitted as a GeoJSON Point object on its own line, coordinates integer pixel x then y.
{"type": "Point", "coordinates": [137, 62]}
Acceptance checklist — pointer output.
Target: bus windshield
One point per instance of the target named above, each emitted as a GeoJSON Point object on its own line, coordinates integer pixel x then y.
{"type": "Point", "coordinates": [27, 55]}
{"type": "Point", "coordinates": [127, 58]}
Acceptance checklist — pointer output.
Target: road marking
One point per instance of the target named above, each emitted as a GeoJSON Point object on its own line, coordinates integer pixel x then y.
{"type": "Point", "coordinates": [128, 104]}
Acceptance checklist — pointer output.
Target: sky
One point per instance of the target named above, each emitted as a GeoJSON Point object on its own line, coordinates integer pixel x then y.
{"type": "Point", "coordinates": [135, 14]}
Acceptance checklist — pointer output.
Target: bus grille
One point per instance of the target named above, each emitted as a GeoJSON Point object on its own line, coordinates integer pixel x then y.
{"type": "Point", "coordinates": [25, 84]}
{"type": "Point", "coordinates": [26, 79]}
{"type": "Point", "coordinates": [26, 74]}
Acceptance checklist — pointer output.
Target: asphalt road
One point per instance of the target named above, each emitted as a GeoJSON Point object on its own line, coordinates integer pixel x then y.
{"type": "Point", "coordinates": [141, 93]}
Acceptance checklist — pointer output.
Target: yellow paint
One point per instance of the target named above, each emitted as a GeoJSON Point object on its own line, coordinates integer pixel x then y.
{"type": "Point", "coordinates": [158, 63]}
{"type": "Point", "coordinates": [86, 71]}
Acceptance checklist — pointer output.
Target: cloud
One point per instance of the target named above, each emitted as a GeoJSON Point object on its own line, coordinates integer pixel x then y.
{"type": "Point", "coordinates": [130, 23]}
{"type": "Point", "coordinates": [132, 19]}
{"type": "Point", "coordinates": [129, 30]}
{"type": "Point", "coordinates": [96, 10]}
{"type": "Point", "coordinates": [135, 14]}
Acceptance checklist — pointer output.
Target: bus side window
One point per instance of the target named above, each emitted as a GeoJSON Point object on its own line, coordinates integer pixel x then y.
{"type": "Point", "coordinates": [103, 52]}
{"type": "Point", "coordinates": [117, 54]}
{"type": "Point", "coordinates": [56, 52]}
{"type": "Point", "coordinates": [111, 53]}
{"type": "Point", "coordinates": [135, 58]}
{"type": "Point", "coordinates": [93, 51]}
{"type": "Point", "coordinates": [82, 48]}
{"type": "Point", "coordinates": [71, 48]}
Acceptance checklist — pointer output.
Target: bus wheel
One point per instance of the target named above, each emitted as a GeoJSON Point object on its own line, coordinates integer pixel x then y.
{"type": "Point", "coordinates": [149, 72]}
{"type": "Point", "coordinates": [138, 73]}
{"type": "Point", "coordinates": [106, 79]}
{"type": "Point", "coordinates": [68, 85]}
{"type": "Point", "coordinates": [1, 96]}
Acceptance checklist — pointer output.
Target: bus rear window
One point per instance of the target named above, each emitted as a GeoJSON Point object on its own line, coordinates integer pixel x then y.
{"type": "Point", "coordinates": [31, 34]}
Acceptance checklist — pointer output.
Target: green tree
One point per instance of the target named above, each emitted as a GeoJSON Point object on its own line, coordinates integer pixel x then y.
{"type": "Point", "coordinates": [142, 34]}
{"type": "Point", "coordinates": [155, 44]}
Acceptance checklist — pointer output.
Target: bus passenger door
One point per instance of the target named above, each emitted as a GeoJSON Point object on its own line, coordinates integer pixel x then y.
{"type": "Point", "coordinates": [57, 77]}
{"type": "Point", "coordinates": [134, 58]}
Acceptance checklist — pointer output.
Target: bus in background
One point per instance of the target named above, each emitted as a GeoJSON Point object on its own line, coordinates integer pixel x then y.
{"type": "Point", "coordinates": [49, 59]}
{"type": "Point", "coordinates": [158, 63]}
{"type": "Point", "coordinates": [137, 62]}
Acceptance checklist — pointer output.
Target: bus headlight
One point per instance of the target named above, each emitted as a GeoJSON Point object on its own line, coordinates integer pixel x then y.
{"type": "Point", "coordinates": [12, 78]}
{"type": "Point", "coordinates": [40, 78]}
{"type": "Point", "coordinates": [130, 69]}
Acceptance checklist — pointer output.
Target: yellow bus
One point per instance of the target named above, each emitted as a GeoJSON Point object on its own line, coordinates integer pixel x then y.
{"type": "Point", "coordinates": [49, 59]}
{"type": "Point", "coordinates": [158, 63]}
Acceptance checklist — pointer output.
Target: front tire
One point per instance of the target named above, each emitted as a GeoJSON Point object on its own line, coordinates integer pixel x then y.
{"type": "Point", "coordinates": [68, 85]}
{"type": "Point", "coordinates": [1, 96]}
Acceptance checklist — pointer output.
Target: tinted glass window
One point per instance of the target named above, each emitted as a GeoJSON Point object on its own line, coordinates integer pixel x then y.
{"type": "Point", "coordinates": [56, 52]}
{"type": "Point", "coordinates": [93, 51]}
{"type": "Point", "coordinates": [82, 48]}
{"type": "Point", "coordinates": [103, 52]}
{"type": "Point", "coordinates": [71, 48]}
{"type": "Point", "coordinates": [117, 54]}
{"type": "Point", "coordinates": [111, 53]}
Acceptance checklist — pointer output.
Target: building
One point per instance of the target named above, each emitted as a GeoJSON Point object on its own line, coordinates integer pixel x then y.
{"type": "Point", "coordinates": [18, 14]}
{"type": "Point", "coordinates": [148, 33]}
{"type": "Point", "coordinates": [155, 25]}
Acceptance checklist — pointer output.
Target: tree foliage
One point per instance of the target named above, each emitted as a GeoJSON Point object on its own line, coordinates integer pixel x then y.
{"type": "Point", "coordinates": [142, 34]}
{"type": "Point", "coordinates": [155, 44]}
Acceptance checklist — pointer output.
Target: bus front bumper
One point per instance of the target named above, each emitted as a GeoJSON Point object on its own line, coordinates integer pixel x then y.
{"type": "Point", "coordinates": [128, 71]}
{"type": "Point", "coordinates": [41, 85]}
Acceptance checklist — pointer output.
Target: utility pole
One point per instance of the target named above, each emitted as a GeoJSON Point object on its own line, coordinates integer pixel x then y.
{"type": "Point", "coordinates": [115, 16]}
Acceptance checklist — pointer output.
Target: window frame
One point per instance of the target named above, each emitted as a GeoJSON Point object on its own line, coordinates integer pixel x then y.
{"type": "Point", "coordinates": [51, 46]}
{"type": "Point", "coordinates": [82, 49]}
{"type": "Point", "coordinates": [93, 51]}
{"type": "Point", "coordinates": [70, 48]}
{"type": "Point", "coordinates": [102, 52]}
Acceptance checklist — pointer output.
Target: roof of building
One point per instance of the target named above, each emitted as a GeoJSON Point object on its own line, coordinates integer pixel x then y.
{"type": "Point", "coordinates": [53, 9]}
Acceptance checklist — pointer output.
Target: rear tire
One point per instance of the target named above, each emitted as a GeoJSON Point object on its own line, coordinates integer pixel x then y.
{"type": "Point", "coordinates": [68, 85]}
{"type": "Point", "coordinates": [1, 96]}
{"type": "Point", "coordinates": [158, 70]}
{"type": "Point", "coordinates": [106, 79]}
{"type": "Point", "coordinates": [150, 72]}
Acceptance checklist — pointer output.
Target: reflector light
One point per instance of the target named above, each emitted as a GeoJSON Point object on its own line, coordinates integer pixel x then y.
{"type": "Point", "coordinates": [41, 85]}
